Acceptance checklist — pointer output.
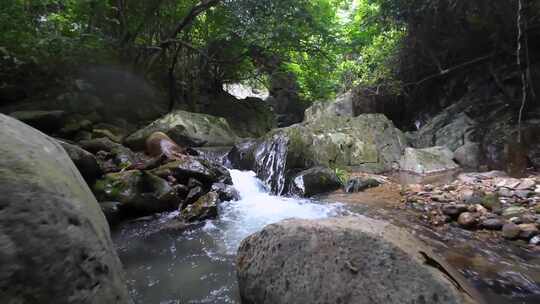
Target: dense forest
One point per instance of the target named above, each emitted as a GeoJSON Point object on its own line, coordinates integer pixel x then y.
{"type": "Point", "coordinates": [270, 151]}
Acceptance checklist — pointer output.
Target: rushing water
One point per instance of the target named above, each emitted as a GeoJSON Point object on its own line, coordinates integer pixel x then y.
{"type": "Point", "coordinates": [197, 266]}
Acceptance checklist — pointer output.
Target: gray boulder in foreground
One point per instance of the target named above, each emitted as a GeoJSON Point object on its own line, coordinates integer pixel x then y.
{"type": "Point", "coordinates": [55, 244]}
{"type": "Point", "coordinates": [353, 260]}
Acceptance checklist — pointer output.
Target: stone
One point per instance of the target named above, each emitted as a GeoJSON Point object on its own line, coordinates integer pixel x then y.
{"type": "Point", "coordinates": [491, 202]}
{"type": "Point", "coordinates": [527, 231]}
{"type": "Point", "coordinates": [226, 193]}
{"type": "Point", "coordinates": [242, 155]}
{"type": "Point", "coordinates": [191, 167]}
{"type": "Point", "coordinates": [314, 181]}
{"type": "Point", "coordinates": [359, 184]}
{"type": "Point", "coordinates": [505, 192]}
{"type": "Point", "coordinates": [51, 226]}
{"type": "Point", "coordinates": [472, 197]}
{"type": "Point", "coordinates": [342, 260]}
{"type": "Point", "coordinates": [120, 155]}
{"type": "Point", "coordinates": [369, 142]}
{"type": "Point", "coordinates": [492, 224]}
{"type": "Point", "coordinates": [187, 129]}
{"type": "Point", "coordinates": [45, 121]}
{"type": "Point", "coordinates": [513, 211]}
{"type": "Point", "coordinates": [526, 184]}
{"type": "Point", "coordinates": [206, 207]}
{"type": "Point", "coordinates": [454, 210]}
{"type": "Point", "coordinates": [467, 220]}
{"type": "Point", "coordinates": [451, 128]}
{"type": "Point", "coordinates": [139, 192]}
{"type": "Point", "coordinates": [85, 161]}
{"type": "Point", "coordinates": [113, 211]}
{"type": "Point", "coordinates": [523, 194]}
{"type": "Point", "coordinates": [468, 155]}
{"type": "Point", "coordinates": [535, 241]}
{"type": "Point", "coordinates": [427, 161]}
{"type": "Point", "coordinates": [511, 231]}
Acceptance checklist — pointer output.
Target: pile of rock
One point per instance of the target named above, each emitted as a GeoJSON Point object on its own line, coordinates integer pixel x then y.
{"type": "Point", "coordinates": [487, 201]}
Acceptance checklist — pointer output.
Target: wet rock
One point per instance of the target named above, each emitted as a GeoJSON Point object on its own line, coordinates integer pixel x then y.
{"type": "Point", "coordinates": [73, 126]}
{"type": "Point", "coordinates": [454, 210]}
{"type": "Point", "coordinates": [85, 161]}
{"type": "Point", "coordinates": [51, 227]}
{"type": "Point", "coordinates": [511, 231]}
{"type": "Point", "coordinates": [242, 155]}
{"type": "Point", "coordinates": [193, 195]}
{"type": "Point", "coordinates": [428, 160]}
{"type": "Point", "coordinates": [535, 241]}
{"type": "Point", "coordinates": [513, 211]}
{"type": "Point", "coordinates": [468, 220]}
{"type": "Point", "coordinates": [121, 156]}
{"type": "Point", "coordinates": [528, 231]}
{"type": "Point", "coordinates": [139, 192]}
{"type": "Point", "coordinates": [45, 121]}
{"type": "Point", "coordinates": [314, 181]}
{"type": "Point", "coordinates": [187, 129]}
{"type": "Point", "coordinates": [492, 224]}
{"type": "Point", "coordinates": [468, 155]}
{"type": "Point", "coordinates": [206, 207]}
{"type": "Point", "coordinates": [226, 193]}
{"type": "Point", "coordinates": [359, 184]}
{"type": "Point", "coordinates": [344, 260]}
{"type": "Point", "coordinates": [191, 167]}
{"type": "Point", "coordinates": [113, 211]}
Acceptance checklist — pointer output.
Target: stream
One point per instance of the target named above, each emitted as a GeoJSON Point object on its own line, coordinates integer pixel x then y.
{"type": "Point", "coordinates": [198, 266]}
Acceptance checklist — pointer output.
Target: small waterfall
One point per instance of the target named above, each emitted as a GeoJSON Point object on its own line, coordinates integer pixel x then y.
{"type": "Point", "coordinates": [271, 162]}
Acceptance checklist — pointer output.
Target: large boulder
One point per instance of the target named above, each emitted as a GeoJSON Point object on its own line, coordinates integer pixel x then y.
{"type": "Point", "coordinates": [428, 160]}
{"type": "Point", "coordinates": [187, 129]}
{"type": "Point", "coordinates": [343, 260]}
{"type": "Point", "coordinates": [367, 142]}
{"type": "Point", "coordinates": [55, 244]}
{"type": "Point", "coordinates": [314, 181]}
{"type": "Point", "coordinates": [469, 155]}
{"type": "Point", "coordinates": [242, 155]}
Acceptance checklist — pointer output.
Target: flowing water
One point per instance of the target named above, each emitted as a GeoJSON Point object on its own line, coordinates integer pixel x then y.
{"type": "Point", "coordinates": [197, 266]}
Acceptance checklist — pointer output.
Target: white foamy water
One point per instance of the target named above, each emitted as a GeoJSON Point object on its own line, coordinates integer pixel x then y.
{"type": "Point", "coordinates": [257, 208]}
{"type": "Point", "coordinates": [197, 266]}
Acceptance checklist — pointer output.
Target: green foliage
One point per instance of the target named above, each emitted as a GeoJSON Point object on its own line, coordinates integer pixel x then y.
{"type": "Point", "coordinates": [329, 45]}
{"type": "Point", "coordinates": [343, 175]}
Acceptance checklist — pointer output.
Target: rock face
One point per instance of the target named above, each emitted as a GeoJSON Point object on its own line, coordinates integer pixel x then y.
{"type": "Point", "coordinates": [55, 244]}
{"type": "Point", "coordinates": [242, 155]}
{"type": "Point", "coordinates": [314, 181]}
{"type": "Point", "coordinates": [446, 129]}
{"type": "Point", "coordinates": [350, 104]}
{"type": "Point", "coordinates": [187, 129]}
{"type": "Point", "coordinates": [368, 142]}
{"type": "Point", "coordinates": [428, 160]}
{"type": "Point", "coordinates": [343, 260]}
